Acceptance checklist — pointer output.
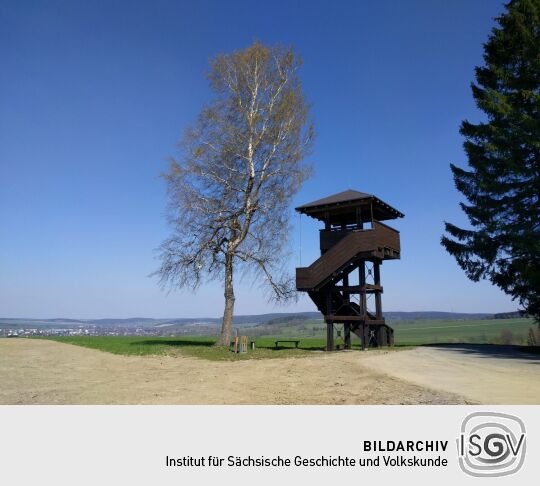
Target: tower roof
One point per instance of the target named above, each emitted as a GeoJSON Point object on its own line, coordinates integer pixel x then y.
{"type": "Point", "coordinates": [345, 206]}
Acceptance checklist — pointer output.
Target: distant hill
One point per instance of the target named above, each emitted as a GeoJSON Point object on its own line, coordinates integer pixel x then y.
{"type": "Point", "coordinates": [131, 321]}
{"type": "Point", "coordinates": [241, 321]}
{"type": "Point", "coordinates": [390, 316]}
{"type": "Point", "coordinates": [299, 317]}
{"type": "Point", "coordinates": [277, 318]}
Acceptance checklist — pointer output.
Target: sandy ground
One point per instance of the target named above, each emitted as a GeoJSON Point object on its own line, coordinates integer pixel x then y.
{"type": "Point", "coordinates": [47, 372]}
{"type": "Point", "coordinates": [481, 373]}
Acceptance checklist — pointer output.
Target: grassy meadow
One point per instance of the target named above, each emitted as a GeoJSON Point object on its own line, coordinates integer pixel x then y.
{"type": "Point", "coordinates": [488, 331]}
{"type": "Point", "coordinates": [199, 347]}
{"type": "Point", "coordinates": [312, 339]}
{"type": "Point", "coordinates": [431, 331]}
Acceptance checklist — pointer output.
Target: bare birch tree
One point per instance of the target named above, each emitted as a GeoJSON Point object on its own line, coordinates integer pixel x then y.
{"type": "Point", "coordinates": [241, 162]}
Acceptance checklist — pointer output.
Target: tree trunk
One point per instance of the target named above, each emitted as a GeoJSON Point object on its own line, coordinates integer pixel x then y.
{"type": "Point", "coordinates": [226, 327]}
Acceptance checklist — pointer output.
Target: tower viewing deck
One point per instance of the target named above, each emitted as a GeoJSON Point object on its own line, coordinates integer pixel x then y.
{"type": "Point", "coordinates": [353, 238]}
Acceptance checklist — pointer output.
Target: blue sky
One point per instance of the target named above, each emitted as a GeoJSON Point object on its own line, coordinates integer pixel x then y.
{"type": "Point", "coordinates": [94, 96]}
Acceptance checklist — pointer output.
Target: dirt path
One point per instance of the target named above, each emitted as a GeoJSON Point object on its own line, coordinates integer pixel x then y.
{"type": "Point", "coordinates": [47, 372]}
{"type": "Point", "coordinates": [481, 373]}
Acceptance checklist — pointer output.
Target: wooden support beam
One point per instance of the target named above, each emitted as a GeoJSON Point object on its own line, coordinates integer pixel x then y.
{"type": "Point", "coordinates": [365, 336]}
{"type": "Point", "coordinates": [379, 336]}
{"type": "Point", "coordinates": [347, 337]}
{"type": "Point", "coordinates": [362, 283]}
{"type": "Point", "coordinates": [359, 223]}
{"type": "Point", "coordinates": [330, 346]}
{"type": "Point", "coordinates": [329, 302]}
{"type": "Point", "coordinates": [377, 273]}
{"type": "Point", "coordinates": [377, 281]}
{"type": "Point", "coordinates": [346, 295]}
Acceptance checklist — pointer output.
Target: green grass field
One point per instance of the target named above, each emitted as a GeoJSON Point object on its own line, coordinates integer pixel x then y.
{"type": "Point", "coordinates": [199, 347]}
{"type": "Point", "coordinates": [407, 333]}
{"type": "Point", "coordinates": [489, 331]}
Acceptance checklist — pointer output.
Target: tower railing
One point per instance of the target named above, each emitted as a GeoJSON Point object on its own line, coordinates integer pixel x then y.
{"type": "Point", "coordinates": [381, 242]}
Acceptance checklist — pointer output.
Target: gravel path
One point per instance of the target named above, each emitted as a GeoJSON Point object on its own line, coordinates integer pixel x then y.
{"type": "Point", "coordinates": [481, 373]}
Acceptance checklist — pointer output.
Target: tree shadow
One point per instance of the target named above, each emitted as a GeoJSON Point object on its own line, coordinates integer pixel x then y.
{"type": "Point", "coordinates": [272, 347]}
{"type": "Point", "coordinates": [503, 351]}
{"type": "Point", "coordinates": [173, 343]}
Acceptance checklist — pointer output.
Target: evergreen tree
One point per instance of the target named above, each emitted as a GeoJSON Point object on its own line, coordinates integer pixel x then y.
{"type": "Point", "coordinates": [502, 184]}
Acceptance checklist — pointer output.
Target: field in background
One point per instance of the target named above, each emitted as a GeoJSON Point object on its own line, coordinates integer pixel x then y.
{"type": "Point", "coordinates": [489, 331]}
{"type": "Point", "coordinates": [421, 331]}
{"type": "Point", "coordinates": [311, 336]}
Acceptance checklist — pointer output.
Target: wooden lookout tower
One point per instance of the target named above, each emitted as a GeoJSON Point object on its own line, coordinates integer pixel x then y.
{"type": "Point", "coordinates": [353, 238]}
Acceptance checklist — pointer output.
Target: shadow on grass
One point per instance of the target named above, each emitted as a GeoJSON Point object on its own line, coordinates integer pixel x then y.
{"type": "Point", "coordinates": [270, 346]}
{"type": "Point", "coordinates": [283, 348]}
{"type": "Point", "coordinates": [312, 347]}
{"type": "Point", "coordinates": [180, 343]}
{"type": "Point", "coordinates": [528, 353]}
{"type": "Point", "coordinates": [173, 343]}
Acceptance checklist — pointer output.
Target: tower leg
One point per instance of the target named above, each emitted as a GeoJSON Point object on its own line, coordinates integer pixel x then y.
{"type": "Point", "coordinates": [347, 337]}
{"type": "Point", "coordinates": [362, 282]}
{"type": "Point", "coordinates": [380, 336]}
{"type": "Point", "coordinates": [330, 336]}
{"type": "Point", "coordinates": [377, 281]}
{"type": "Point", "coordinates": [365, 336]}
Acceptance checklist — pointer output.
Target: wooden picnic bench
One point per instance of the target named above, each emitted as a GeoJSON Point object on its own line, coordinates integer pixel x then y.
{"type": "Point", "coordinates": [296, 343]}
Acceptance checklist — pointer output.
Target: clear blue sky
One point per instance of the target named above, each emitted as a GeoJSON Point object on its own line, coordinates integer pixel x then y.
{"type": "Point", "coordinates": [94, 96]}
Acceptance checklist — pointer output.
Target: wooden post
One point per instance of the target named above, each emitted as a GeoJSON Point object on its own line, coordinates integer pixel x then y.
{"type": "Point", "coordinates": [362, 283]}
{"type": "Point", "coordinates": [377, 281]}
{"type": "Point", "coordinates": [243, 344]}
{"type": "Point", "coordinates": [346, 295]}
{"type": "Point", "coordinates": [380, 336]}
{"type": "Point", "coordinates": [365, 336]}
{"type": "Point", "coordinates": [330, 336]}
{"type": "Point", "coordinates": [359, 224]}
{"type": "Point", "coordinates": [347, 337]}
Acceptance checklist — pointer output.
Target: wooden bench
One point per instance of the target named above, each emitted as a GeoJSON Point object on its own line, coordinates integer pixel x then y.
{"type": "Point", "coordinates": [296, 343]}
